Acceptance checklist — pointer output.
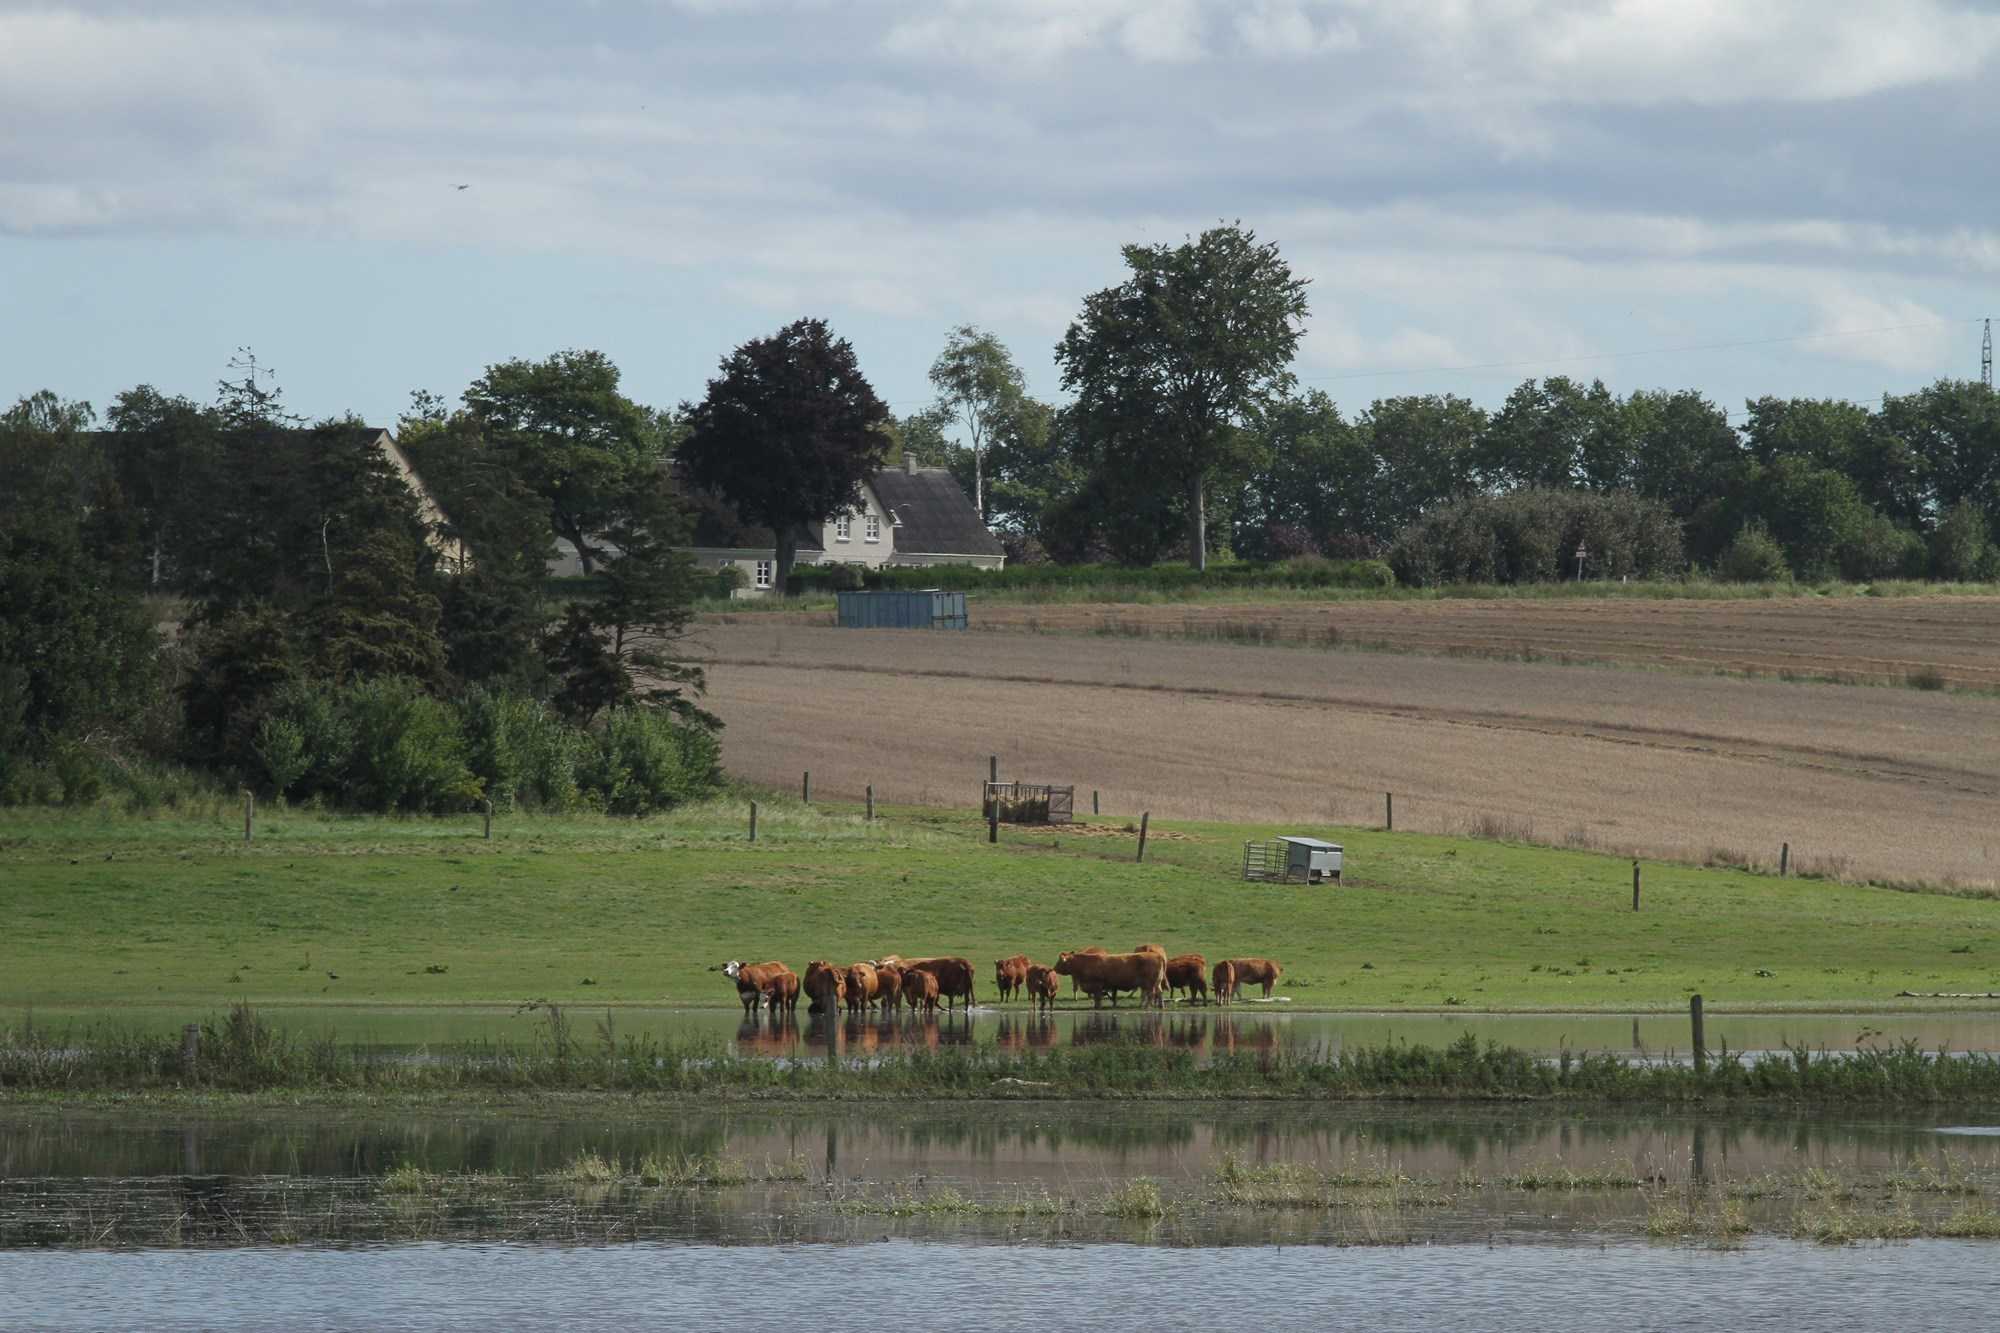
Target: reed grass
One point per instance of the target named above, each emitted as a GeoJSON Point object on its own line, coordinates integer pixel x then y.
{"type": "Point", "coordinates": [244, 1053]}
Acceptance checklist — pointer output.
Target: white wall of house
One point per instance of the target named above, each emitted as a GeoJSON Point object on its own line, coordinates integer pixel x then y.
{"type": "Point", "coordinates": [760, 568]}
{"type": "Point", "coordinates": [864, 536]}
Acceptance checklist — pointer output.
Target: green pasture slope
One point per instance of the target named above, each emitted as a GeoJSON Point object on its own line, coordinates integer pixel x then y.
{"type": "Point", "coordinates": [102, 909]}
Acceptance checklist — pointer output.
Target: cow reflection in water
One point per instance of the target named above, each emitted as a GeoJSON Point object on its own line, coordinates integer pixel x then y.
{"type": "Point", "coordinates": [769, 1036]}
{"type": "Point", "coordinates": [860, 1035]}
{"type": "Point", "coordinates": [1020, 1034]}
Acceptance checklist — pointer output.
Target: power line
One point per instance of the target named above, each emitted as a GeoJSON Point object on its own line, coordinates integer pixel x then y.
{"type": "Point", "coordinates": [1986, 356]}
{"type": "Point", "coordinates": [1646, 351]}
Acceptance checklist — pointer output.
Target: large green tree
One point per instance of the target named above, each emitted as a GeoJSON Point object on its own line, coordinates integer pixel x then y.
{"type": "Point", "coordinates": [981, 387]}
{"type": "Point", "coordinates": [564, 430]}
{"type": "Point", "coordinates": [787, 433]}
{"type": "Point", "coordinates": [1317, 487]}
{"type": "Point", "coordinates": [1169, 365]}
{"type": "Point", "coordinates": [1424, 449]}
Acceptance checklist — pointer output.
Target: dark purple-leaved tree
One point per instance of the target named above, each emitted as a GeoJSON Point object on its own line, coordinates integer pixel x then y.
{"type": "Point", "coordinates": [788, 432]}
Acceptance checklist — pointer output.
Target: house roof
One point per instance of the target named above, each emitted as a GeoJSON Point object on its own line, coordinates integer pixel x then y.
{"type": "Point", "coordinates": [931, 513]}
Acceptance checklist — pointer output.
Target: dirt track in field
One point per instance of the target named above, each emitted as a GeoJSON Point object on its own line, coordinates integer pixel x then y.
{"type": "Point", "coordinates": [1882, 782]}
{"type": "Point", "coordinates": [1859, 638]}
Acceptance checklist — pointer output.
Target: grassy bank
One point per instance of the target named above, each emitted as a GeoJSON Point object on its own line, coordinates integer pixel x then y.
{"type": "Point", "coordinates": [110, 911]}
{"type": "Point", "coordinates": [245, 1054]}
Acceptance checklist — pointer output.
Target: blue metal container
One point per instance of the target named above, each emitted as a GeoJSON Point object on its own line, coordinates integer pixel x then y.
{"type": "Point", "coordinates": [929, 608]}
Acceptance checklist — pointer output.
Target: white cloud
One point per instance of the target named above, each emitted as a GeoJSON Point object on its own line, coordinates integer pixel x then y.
{"type": "Point", "coordinates": [1281, 30]}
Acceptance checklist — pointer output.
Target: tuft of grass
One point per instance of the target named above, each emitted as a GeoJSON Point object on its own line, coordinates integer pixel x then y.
{"type": "Point", "coordinates": [588, 1167]}
{"type": "Point", "coordinates": [1136, 1200]}
{"type": "Point", "coordinates": [408, 1178]}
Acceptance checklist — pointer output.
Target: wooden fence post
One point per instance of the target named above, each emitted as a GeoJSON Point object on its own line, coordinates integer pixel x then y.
{"type": "Point", "coordinates": [1784, 860]}
{"type": "Point", "coordinates": [190, 1046]}
{"type": "Point", "coordinates": [249, 812]}
{"type": "Point", "coordinates": [753, 821]}
{"type": "Point", "coordinates": [806, 788]}
{"type": "Point", "coordinates": [1389, 811]}
{"type": "Point", "coordinates": [489, 818]}
{"type": "Point", "coordinates": [992, 768]}
{"type": "Point", "coordinates": [871, 803]}
{"type": "Point", "coordinates": [1144, 817]}
{"type": "Point", "coordinates": [1635, 886]}
{"type": "Point", "coordinates": [993, 820]}
{"type": "Point", "coordinates": [1700, 1045]}
{"type": "Point", "coordinates": [1093, 800]}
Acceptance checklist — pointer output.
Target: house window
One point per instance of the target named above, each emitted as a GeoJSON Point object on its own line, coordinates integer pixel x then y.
{"type": "Point", "coordinates": [843, 527]}
{"type": "Point", "coordinates": [874, 528]}
{"type": "Point", "coordinates": [763, 573]}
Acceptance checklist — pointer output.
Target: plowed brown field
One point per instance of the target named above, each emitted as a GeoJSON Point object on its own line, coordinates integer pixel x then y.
{"type": "Point", "coordinates": [1889, 783]}
{"type": "Point", "coordinates": [1860, 638]}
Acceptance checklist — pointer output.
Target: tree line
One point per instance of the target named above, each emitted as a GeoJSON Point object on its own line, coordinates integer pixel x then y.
{"type": "Point", "coordinates": [300, 565]}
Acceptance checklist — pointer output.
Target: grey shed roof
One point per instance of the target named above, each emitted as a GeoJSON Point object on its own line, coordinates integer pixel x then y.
{"type": "Point", "coordinates": [932, 515]}
{"type": "Point", "coordinates": [1314, 843]}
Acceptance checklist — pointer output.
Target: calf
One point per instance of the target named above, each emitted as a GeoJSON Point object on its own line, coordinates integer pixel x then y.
{"type": "Point", "coordinates": [1042, 986]}
{"type": "Point", "coordinates": [920, 990]}
{"type": "Point", "coordinates": [891, 978]}
{"type": "Point", "coordinates": [783, 992]}
{"type": "Point", "coordinates": [1225, 981]}
{"type": "Point", "coordinates": [1010, 974]}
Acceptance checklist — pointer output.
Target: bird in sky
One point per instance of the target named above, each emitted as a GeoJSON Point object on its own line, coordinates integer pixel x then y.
{"type": "Point", "coordinates": [461, 187]}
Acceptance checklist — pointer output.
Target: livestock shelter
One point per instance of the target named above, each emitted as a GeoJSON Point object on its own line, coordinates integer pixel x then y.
{"type": "Point", "coordinates": [1292, 860]}
{"type": "Point", "coordinates": [1030, 803]}
{"type": "Point", "coordinates": [930, 608]}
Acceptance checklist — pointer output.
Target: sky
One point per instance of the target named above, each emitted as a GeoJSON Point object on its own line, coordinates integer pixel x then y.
{"type": "Point", "coordinates": [1741, 198]}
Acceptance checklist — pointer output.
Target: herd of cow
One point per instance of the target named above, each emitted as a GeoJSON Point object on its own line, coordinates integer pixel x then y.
{"type": "Point", "coordinates": [921, 983]}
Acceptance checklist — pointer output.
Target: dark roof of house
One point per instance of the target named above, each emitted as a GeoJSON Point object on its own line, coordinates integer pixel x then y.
{"type": "Point", "coordinates": [932, 514]}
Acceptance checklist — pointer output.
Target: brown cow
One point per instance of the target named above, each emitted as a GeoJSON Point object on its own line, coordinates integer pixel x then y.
{"type": "Point", "coordinates": [954, 975]}
{"type": "Point", "coordinates": [1225, 981]}
{"type": "Point", "coordinates": [1042, 986]}
{"type": "Point", "coordinates": [1010, 974]}
{"type": "Point", "coordinates": [1074, 984]}
{"type": "Point", "coordinates": [863, 985]}
{"type": "Point", "coordinates": [1159, 949]}
{"type": "Point", "coordinates": [920, 990]}
{"type": "Point", "coordinates": [1098, 972]}
{"type": "Point", "coordinates": [891, 992]}
{"type": "Point", "coordinates": [753, 980]}
{"type": "Point", "coordinates": [1255, 972]}
{"type": "Point", "coordinates": [783, 992]}
{"type": "Point", "coordinates": [1188, 972]}
{"type": "Point", "coordinates": [826, 987]}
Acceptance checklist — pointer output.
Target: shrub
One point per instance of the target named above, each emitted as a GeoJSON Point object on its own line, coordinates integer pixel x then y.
{"type": "Point", "coordinates": [317, 715]}
{"type": "Point", "coordinates": [642, 761]}
{"type": "Point", "coordinates": [550, 751]}
{"type": "Point", "coordinates": [1753, 557]}
{"type": "Point", "coordinates": [280, 744]}
{"type": "Point", "coordinates": [407, 750]}
{"type": "Point", "coordinates": [1530, 535]}
{"type": "Point", "coordinates": [1960, 543]}
{"type": "Point", "coordinates": [498, 732]}
{"type": "Point", "coordinates": [1876, 548]}
{"type": "Point", "coordinates": [726, 581]}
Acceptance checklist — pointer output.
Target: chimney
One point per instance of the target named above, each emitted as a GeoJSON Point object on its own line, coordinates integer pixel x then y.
{"type": "Point", "coordinates": [909, 464]}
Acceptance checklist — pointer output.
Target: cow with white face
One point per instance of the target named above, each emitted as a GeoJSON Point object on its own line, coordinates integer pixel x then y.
{"type": "Point", "coordinates": [757, 981]}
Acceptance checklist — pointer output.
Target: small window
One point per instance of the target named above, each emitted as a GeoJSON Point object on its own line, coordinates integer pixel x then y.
{"type": "Point", "coordinates": [874, 528]}
{"type": "Point", "coordinates": [843, 527]}
{"type": "Point", "coordinates": [764, 573]}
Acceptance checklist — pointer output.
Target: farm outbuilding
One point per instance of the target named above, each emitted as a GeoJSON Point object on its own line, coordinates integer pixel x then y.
{"type": "Point", "coordinates": [929, 608]}
{"type": "Point", "coordinates": [1292, 860]}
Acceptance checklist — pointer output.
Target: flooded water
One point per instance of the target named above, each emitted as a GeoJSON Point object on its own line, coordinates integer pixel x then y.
{"type": "Point", "coordinates": [617, 1213]}
{"type": "Point", "coordinates": [1247, 1026]}
{"type": "Point", "coordinates": [1931, 1285]}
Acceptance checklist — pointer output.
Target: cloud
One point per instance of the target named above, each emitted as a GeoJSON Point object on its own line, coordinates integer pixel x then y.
{"type": "Point", "coordinates": [1280, 30]}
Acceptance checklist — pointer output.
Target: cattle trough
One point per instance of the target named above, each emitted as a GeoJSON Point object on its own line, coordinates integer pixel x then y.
{"type": "Point", "coordinates": [1292, 860]}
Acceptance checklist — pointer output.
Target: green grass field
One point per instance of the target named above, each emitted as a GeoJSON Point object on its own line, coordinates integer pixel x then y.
{"type": "Point", "coordinates": [103, 909]}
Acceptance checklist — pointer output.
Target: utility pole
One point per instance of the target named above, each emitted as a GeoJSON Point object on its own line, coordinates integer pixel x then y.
{"type": "Point", "coordinates": [1986, 356]}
